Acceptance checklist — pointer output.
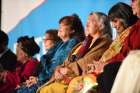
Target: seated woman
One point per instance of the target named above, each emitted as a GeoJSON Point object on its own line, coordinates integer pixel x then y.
{"type": "Point", "coordinates": [102, 29]}
{"type": "Point", "coordinates": [97, 41]}
{"type": "Point", "coordinates": [25, 50]}
{"type": "Point", "coordinates": [8, 60]}
{"type": "Point", "coordinates": [124, 21]}
{"type": "Point", "coordinates": [51, 43]}
{"type": "Point", "coordinates": [127, 79]}
{"type": "Point", "coordinates": [129, 70]}
{"type": "Point", "coordinates": [71, 32]}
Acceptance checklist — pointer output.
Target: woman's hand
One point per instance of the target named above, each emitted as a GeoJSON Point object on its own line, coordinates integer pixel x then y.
{"type": "Point", "coordinates": [64, 70]}
{"type": "Point", "coordinates": [96, 67]}
{"type": "Point", "coordinates": [58, 75]}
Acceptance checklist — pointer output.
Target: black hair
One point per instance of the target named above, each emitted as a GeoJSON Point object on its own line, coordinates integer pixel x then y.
{"type": "Point", "coordinates": [124, 12]}
{"type": "Point", "coordinates": [3, 38]}
{"type": "Point", "coordinates": [28, 45]}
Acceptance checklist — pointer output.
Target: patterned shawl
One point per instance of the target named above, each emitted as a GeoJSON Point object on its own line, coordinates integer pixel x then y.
{"type": "Point", "coordinates": [116, 46]}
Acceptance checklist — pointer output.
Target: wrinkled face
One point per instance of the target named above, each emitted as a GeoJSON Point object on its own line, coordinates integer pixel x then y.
{"type": "Point", "coordinates": [135, 7]}
{"type": "Point", "coordinates": [118, 25]}
{"type": "Point", "coordinates": [21, 55]}
{"type": "Point", "coordinates": [48, 42]}
{"type": "Point", "coordinates": [64, 31]}
{"type": "Point", "coordinates": [92, 26]}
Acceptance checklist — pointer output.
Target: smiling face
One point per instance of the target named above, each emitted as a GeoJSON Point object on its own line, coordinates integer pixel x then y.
{"type": "Point", "coordinates": [64, 31]}
{"type": "Point", "coordinates": [136, 7]}
{"type": "Point", "coordinates": [118, 25]}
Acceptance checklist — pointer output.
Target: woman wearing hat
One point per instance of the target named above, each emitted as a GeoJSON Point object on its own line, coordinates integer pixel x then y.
{"type": "Point", "coordinates": [25, 50]}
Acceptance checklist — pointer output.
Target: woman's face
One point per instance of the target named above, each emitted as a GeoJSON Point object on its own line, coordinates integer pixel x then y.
{"type": "Point", "coordinates": [92, 25]}
{"type": "Point", "coordinates": [136, 7]}
{"type": "Point", "coordinates": [21, 55]}
{"type": "Point", "coordinates": [118, 25]}
{"type": "Point", "coordinates": [64, 31]}
{"type": "Point", "coordinates": [48, 42]}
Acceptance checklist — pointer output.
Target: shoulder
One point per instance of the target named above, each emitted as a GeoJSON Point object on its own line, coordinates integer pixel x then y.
{"type": "Point", "coordinates": [103, 40]}
{"type": "Point", "coordinates": [72, 41]}
{"type": "Point", "coordinates": [135, 27]}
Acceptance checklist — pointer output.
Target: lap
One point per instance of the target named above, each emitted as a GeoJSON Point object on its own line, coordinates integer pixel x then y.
{"type": "Point", "coordinates": [55, 87]}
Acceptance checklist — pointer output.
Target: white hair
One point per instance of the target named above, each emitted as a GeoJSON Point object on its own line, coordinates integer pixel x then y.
{"type": "Point", "coordinates": [104, 23]}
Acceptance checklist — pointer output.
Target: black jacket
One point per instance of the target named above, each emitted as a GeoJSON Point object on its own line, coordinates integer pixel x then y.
{"type": "Point", "coordinates": [8, 60]}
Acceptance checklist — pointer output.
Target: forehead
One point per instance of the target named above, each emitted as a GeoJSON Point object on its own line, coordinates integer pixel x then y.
{"type": "Point", "coordinates": [115, 20]}
{"type": "Point", "coordinates": [63, 25]}
{"type": "Point", "coordinates": [92, 17]}
{"type": "Point", "coordinates": [19, 48]}
{"type": "Point", "coordinates": [47, 35]}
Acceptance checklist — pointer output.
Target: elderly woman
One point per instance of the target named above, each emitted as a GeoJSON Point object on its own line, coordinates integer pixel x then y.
{"type": "Point", "coordinates": [98, 27]}
{"type": "Point", "coordinates": [25, 50]}
{"type": "Point", "coordinates": [97, 41]}
{"type": "Point", "coordinates": [126, 41]}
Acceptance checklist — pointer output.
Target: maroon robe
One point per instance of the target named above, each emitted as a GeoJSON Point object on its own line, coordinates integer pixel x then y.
{"type": "Point", "coordinates": [26, 70]}
{"type": "Point", "coordinates": [10, 83]}
{"type": "Point", "coordinates": [132, 42]}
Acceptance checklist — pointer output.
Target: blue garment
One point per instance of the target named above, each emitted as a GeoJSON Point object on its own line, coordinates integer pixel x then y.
{"type": "Point", "coordinates": [31, 89]}
{"type": "Point", "coordinates": [46, 63]}
{"type": "Point", "coordinates": [62, 53]}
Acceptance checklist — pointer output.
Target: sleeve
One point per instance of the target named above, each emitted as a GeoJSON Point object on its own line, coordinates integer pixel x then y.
{"type": "Point", "coordinates": [61, 56]}
{"type": "Point", "coordinates": [94, 54]}
{"type": "Point", "coordinates": [28, 69]}
{"type": "Point", "coordinates": [135, 38]}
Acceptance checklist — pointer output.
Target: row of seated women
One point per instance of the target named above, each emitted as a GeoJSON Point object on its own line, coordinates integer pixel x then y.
{"type": "Point", "coordinates": [75, 63]}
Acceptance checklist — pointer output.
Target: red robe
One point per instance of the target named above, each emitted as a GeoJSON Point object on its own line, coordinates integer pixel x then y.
{"type": "Point", "coordinates": [11, 81]}
{"type": "Point", "coordinates": [132, 42]}
{"type": "Point", "coordinates": [26, 70]}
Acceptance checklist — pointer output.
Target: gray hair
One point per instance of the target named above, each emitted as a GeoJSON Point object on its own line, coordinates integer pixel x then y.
{"type": "Point", "coordinates": [104, 23]}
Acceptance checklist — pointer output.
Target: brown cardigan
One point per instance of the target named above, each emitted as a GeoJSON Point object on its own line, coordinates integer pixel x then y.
{"type": "Point", "coordinates": [95, 53]}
